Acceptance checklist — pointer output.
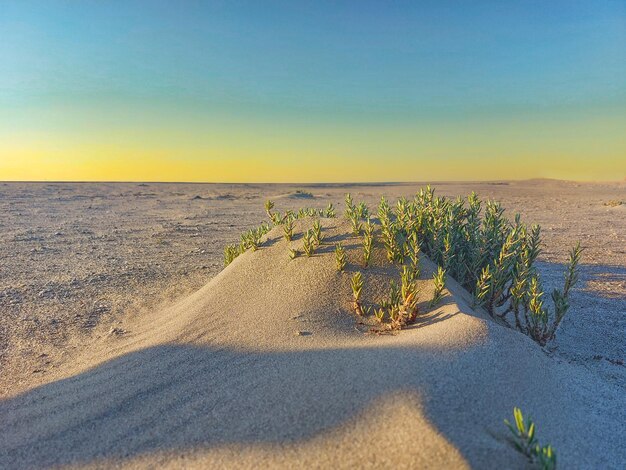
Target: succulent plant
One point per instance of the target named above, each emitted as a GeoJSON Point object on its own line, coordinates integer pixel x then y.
{"type": "Point", "coordinates": [340, 257]}
{"type": "Point", "coordinates": [356, 283]}
{"type": "Point", "coordinates": [525, 441]}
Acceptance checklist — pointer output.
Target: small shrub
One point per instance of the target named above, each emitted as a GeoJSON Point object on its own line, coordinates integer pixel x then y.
{"type": "Point", "coordinates": [362, 211]}
{"type": "Point", "coordinates": [288, 228]}
{"type": "Point", "coordinates": [526, 442]}
{"type": "Point", "coordinates": [230, 253]}
{"type": "Point", "coordinates": [356, 224]}
{"type": "Point", "coordinates": [330, 211]}
{"type": "Point", "coordinates": [439, 281]}
{"type": "Point", "coordinates": [340, 257]}
{"type": "Point", "coordinates": [309, 243]}
{"type": "Point", "coordinates": [317, 232]}
{"type": "Point", "coordinates": [408, 310]}
{"type": "Point", "coordinates": [356, 283]}
{"type": "Point", "coordinates": [269, 205]}
{"type": "Point", "coordinates": [252, 238]}
{"type": "Point", "coordinates": [350, 209]}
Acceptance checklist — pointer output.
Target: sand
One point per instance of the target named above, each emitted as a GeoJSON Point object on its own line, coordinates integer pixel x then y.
{"type": "Point", "coordinates": [115, 350]}
{"type": "Point", "coordinates": [266, 366]}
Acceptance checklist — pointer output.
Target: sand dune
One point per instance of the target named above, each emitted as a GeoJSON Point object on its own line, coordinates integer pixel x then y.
{"type": "Point", "coordinates": [223, 379]}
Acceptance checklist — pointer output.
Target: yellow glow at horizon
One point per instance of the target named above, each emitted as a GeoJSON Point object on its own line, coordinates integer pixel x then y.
{"type": "Point", "coordinates": [281, 151]}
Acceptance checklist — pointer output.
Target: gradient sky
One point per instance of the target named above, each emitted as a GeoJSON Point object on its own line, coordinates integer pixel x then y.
{"type": "Point", "coordinates": [312, 91]}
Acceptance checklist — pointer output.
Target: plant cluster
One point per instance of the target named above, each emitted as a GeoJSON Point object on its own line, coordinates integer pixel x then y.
{"type": "Point", "coordinates": [484, 251]}
{"type": "Point", "coordinates": [251, 239]}
{"type": "Point", "coordinates": [525, 441]}
{"type": "Point", "coordinates": [472, 242]}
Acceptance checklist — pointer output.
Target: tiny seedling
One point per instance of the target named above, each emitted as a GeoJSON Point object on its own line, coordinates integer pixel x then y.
{"type": "Point", "coordinates": [439, 281]}
{"type": "Point", "coordinates": [293, 254]}
{"type": "Point", "coordinates": [340, 257]}
{"type": "Point", "coordinates": [357, 286]}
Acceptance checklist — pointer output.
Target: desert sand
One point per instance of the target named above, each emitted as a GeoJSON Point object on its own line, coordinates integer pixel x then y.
{"type": "Point", "coordinates": [265, 364]}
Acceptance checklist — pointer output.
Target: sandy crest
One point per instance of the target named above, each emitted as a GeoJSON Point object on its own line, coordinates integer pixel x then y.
{"type": "Point", "coordinates": [222, 380]}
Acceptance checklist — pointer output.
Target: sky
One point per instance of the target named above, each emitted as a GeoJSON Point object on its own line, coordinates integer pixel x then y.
{"type": "Point", "coordinates": [312, 91]}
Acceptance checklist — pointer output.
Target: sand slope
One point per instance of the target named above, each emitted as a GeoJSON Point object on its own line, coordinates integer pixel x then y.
{"type": "Point", "coordinates": [221, 379]}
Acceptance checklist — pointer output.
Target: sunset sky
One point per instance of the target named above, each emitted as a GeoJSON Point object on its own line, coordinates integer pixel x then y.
{"type": "Point", "coordinates": [312, 91]}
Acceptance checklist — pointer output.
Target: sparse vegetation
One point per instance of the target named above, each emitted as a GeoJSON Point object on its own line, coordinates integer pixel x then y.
{"type": "Point", "coordinates": [230, 253]}
{"type": "Point", "coordinates": [293, 254]}
{"type": "Point", "coordinates": [340, 257]}
{"type": "Point", "coordinates": [472, 242]}
{"type": "Point", "coordinates": [613, 203]}
{"type": "Point", "coordinates": [525, 441]}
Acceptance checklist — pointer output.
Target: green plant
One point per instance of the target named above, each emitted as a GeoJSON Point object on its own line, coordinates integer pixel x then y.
{"type": "Point", "coordinates": [269, 205]}
{"type": "Point", "coordinates": [317, 232]}
{"type": "Point", "coordinates": [368, 238]}
{"type": "Point", "coordinates": [356, 224]}
{"type": "Point", "coordinates": [362, 211]}
{"type": "Point", "coordinates": [340, 257]}
{"type": "Point", "coordinates": [439, 281]}
{"type": "Point", "coordinates": [526, 442]}
{"type": "Point", "coordinates": [309, 243]}
{"type": "Point", "coordinates": [293, 254]}
{"type": "Point", "coordinates": [252, 238]}
{"type": "Point", "coordinates": [380, 315]}
{"type": "Point", "coordinates": [330, 211]}
{"type": "Point", "coordinates": [288, 228]}
{"type": "Point", "coordinates": [409, 295]}
{"type": "Point", "coordinates": [356, 283]}
{"type": "Point", "coordinates": [230, 253]}
{"type": "Point", "coordinates": [349, 205]}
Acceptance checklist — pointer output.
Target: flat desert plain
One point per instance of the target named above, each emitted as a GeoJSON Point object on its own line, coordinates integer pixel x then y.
{"type": "Point", "coordinates": [84, 266]}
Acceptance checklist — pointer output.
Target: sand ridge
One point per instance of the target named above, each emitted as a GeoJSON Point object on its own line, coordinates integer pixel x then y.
{"type": "Point", "coordinates": [222, 379]}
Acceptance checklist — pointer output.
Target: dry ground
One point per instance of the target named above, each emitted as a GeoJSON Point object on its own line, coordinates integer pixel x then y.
{"type": "Point", "coordinates": [76, 258]}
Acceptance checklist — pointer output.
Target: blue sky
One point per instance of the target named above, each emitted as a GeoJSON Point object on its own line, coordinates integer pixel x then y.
{"type": "Point", "coordinates": [341, 64]}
